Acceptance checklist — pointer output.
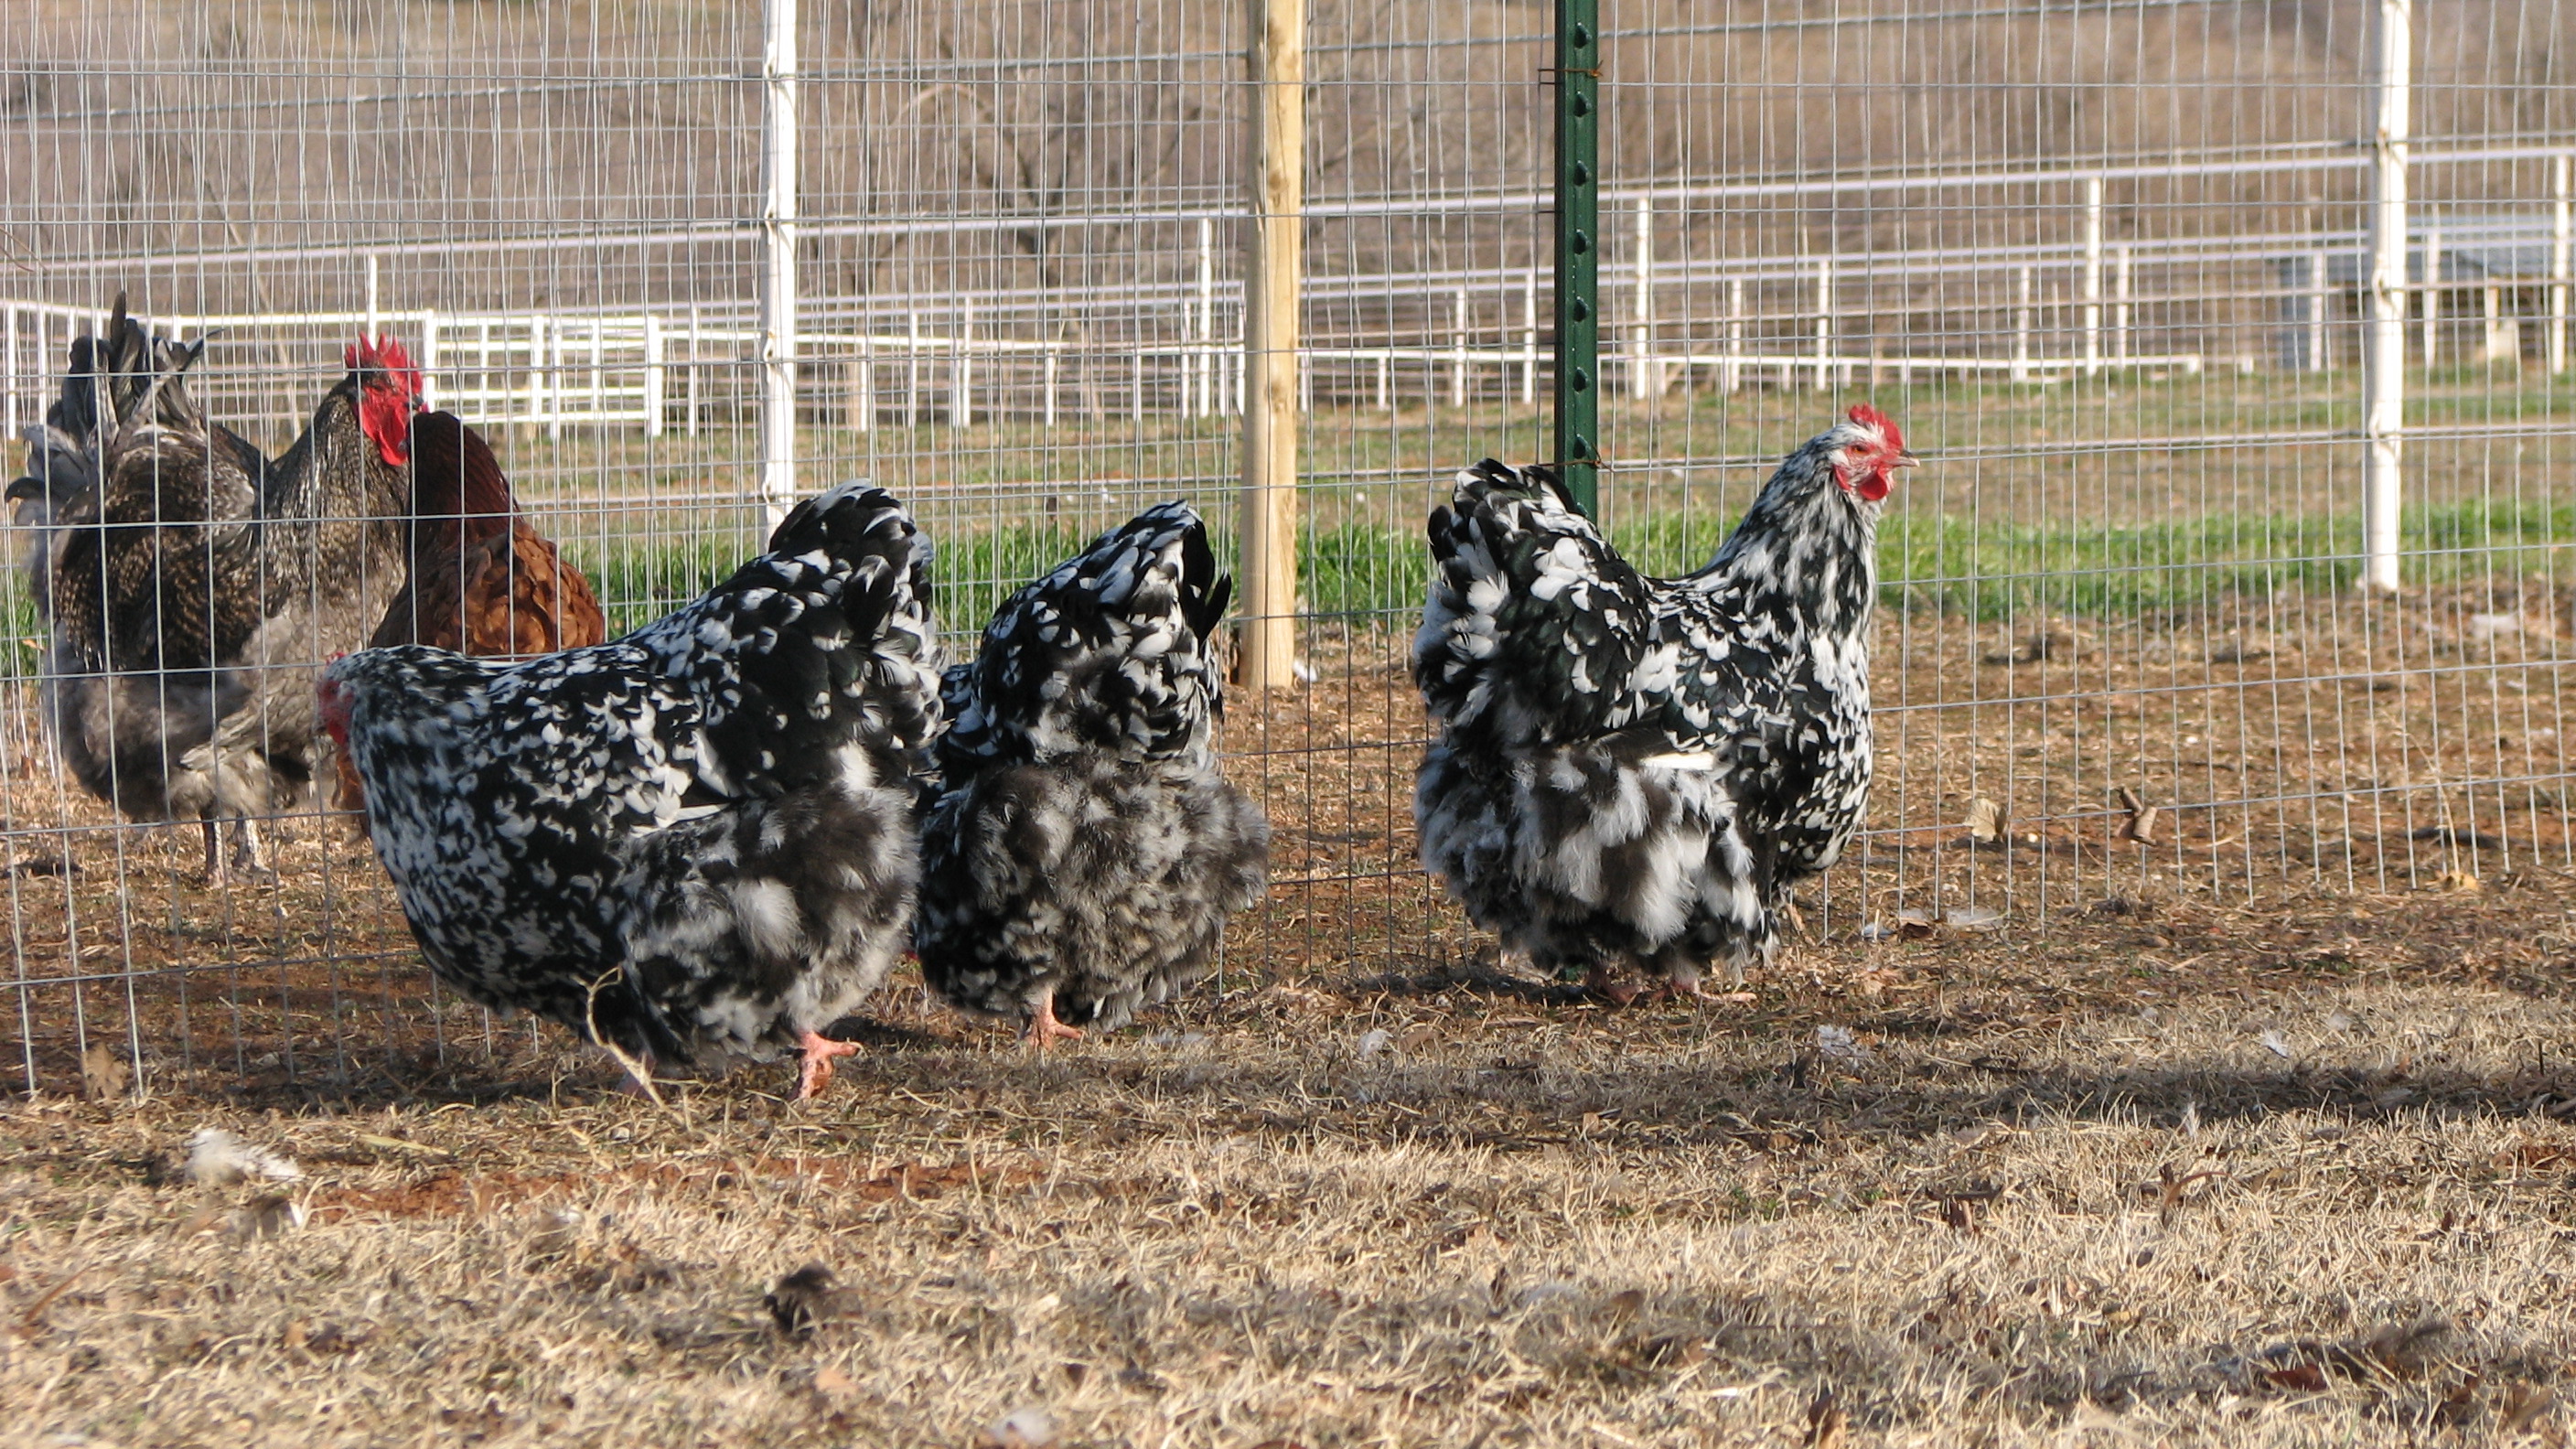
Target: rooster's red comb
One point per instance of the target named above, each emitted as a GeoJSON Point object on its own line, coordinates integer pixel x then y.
{"type": "Point", "coordinates": [1870, 417]}
{"type": "Point", "coordinates": [384, 355]}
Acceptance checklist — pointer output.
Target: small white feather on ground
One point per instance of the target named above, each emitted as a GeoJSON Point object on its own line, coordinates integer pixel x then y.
{"type": "Point", "coordinates": [216, 1158]}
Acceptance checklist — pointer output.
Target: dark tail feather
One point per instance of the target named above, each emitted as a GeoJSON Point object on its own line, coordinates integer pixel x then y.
{"type": "Point", "coordinates": [1204, 591]}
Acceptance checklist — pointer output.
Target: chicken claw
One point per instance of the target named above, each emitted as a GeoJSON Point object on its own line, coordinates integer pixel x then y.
{"type": "Point", "coordinates": [1044, 1028]}
{"type": "Point", "coordinates": [816, 1072]}
{"type": "Point", "coordinates": [1601, 981]}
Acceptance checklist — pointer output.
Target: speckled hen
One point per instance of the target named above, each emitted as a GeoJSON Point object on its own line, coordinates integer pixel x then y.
{"type": "Point", "coordinates": [1086, 851]}
{"type": "Point", "coordinates": [1637, 772]}
{"type": "Point", "coordinates": [694, 843]}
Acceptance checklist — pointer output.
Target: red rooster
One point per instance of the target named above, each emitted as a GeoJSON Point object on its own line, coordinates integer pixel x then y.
{"type": "Point", "coordinates": [482, 581]}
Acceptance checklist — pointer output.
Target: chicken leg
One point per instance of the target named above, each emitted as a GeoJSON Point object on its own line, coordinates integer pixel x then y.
{"type": "Point", "coordinates": [1043, 1027]}
{"type": "Point", "coordinates": [246, 854]}
{"type": "Point", "coordinates": [816, 1071]}
{"type": "Point", "coordinates": [1601, 980]}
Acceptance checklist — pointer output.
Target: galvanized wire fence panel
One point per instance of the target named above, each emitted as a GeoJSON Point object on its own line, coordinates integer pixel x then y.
{"type": "Point", "coordinates": [2106, 264]}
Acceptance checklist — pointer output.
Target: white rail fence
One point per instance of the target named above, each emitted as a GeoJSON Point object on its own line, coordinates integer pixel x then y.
{"type": "Point", "coordinates": [2486, 287]}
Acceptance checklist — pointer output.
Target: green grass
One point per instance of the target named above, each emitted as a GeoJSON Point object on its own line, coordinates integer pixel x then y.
{"type": "Point", "coordinates": [1987, 570]}
{"type": "Point", "coordinates": [1927, 563]}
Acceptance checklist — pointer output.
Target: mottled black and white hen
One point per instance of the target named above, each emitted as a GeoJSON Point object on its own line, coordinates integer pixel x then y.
{"type": "Point", "coordinates": [1632, 771]}
{"type": "Point", "coordinates": [1085, 852]}
{"type": "Point", "coordinates": [693, 843]}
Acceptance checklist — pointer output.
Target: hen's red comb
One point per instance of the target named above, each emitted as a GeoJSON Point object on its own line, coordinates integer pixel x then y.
{"type": "Point", "coordinates": [1870, 417]}
{"type": "Point", "coordinates": [384, 355]}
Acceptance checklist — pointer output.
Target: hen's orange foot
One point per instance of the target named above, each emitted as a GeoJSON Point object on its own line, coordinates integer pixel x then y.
{"type": "Point", "coordinates": [816, 1071]}
{"type": "Point", "coordinates": [1044, 1029]}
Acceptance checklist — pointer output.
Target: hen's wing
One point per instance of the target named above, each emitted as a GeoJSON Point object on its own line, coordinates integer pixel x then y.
{"type": "Point", "coordinates": [823, 642]}
{"type": "Point", "coordinates": [548, 604]}
{"type": "Point", "coordinates": [1536, 631]}
{"type": "Point", "coordinates": [1106, 654]}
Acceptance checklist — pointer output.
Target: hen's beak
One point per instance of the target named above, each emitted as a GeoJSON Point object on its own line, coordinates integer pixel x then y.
{"type": "Point", "coordinates": [1905, 459]}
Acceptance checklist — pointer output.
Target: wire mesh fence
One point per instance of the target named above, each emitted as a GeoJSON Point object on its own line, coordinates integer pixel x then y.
{"type": "Point", "coordinates": [2109, 264]}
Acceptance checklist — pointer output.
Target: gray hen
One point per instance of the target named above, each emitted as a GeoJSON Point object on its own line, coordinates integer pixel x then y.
{"type": "Point", "coordinates": [121, 480]}
{"type": "Point", "coordinates": [1085, 852]}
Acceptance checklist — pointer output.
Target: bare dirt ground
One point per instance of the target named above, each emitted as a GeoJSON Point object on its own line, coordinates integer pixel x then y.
{"type": "Point", "coordinates": [2238, 1135]}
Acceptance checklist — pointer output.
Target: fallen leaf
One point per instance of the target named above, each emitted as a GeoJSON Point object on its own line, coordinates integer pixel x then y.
{"type": "Point", "coordinates": [104, 1073]}
{"type": "Point", "coordinates": [2522, 1406]}
{"type": "Point", "coordinates": [268, 1217]}
{"type": "Point", "coordinates": [2141, 824]}
{"type": "Point", "coordinates": [2408, 1349]}
{"type": "Point", "coordinates": [1987, 821]}
{"type": "Point", "coordinates": [2170, 1187]}
{"type": "Point", "coordinates": [2305, 1378]}
{"type": "Point", "coordinates": [326, 1338]}
{"type": "Point", "coordinates": [28, 1320]}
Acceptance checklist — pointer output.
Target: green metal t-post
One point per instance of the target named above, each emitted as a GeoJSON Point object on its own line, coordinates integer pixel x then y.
{"type": "Point", "coordinates": [1578, 249]}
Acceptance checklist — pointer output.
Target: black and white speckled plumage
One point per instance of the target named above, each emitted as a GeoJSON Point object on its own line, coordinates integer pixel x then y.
{"type": "Point", "coordinates": [1085, 851]}
{"type": "Point", "coordinates": [1637, 770]}
{"type": "Point", "coordinates": [708, 818]}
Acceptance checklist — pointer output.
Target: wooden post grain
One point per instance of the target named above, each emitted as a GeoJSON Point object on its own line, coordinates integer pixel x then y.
{"type": "Point", "coordinates": [1267, 658]}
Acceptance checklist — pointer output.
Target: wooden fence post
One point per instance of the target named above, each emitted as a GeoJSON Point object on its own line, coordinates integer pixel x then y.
{"type": "Point", "coordinates": [1267, 658]}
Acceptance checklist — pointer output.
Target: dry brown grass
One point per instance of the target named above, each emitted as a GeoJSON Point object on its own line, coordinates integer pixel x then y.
{"type": "Point", "coordinates": [2308, 1183]}
{"type": "Point", "coordinates": [2292, 745]}
{"type": "Point", "coordinates": [2195, 1145]}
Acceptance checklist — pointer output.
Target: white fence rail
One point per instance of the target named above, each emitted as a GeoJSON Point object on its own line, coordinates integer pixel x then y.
{"type": "Point", "coordinates": [2489, 287]}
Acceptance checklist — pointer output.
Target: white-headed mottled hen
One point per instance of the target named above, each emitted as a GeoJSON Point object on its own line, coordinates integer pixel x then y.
{"type": "Point", "coordinates": [1638, 772]}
